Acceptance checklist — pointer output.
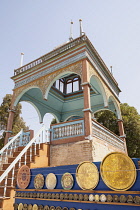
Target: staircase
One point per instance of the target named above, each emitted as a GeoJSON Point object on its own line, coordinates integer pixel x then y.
{"type": "Point", "coordinates": [13, 155]}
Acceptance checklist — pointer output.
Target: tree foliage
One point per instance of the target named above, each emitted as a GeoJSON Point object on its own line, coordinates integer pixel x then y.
{"type": "Point", "coordinates": [131, 121]}
{"type": "Point", "coordinates": [18, 121]}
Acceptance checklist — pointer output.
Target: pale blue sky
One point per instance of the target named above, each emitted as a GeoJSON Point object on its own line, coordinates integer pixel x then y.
{"type": "Point", "coordinates": [37, 26]}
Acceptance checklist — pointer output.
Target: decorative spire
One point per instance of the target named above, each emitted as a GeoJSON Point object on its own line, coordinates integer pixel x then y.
{"type": "Point", "coordinates": [111, 69]}
{"type": "Point", "coordinates": [71, 35]}
{"type": "Point", "coordinates": [21, 60]}
{"type": "Point", "coordinates": [81, 28]}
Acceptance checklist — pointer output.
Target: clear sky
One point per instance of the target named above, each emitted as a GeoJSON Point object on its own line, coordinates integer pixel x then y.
{"type": "Point", "coordinates": [35, 27]}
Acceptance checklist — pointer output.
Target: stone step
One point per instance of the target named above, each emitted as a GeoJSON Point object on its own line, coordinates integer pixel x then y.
{"type": "Point", "coordinates": [8, 189]}
{"type": "Point", "coordinates": [11, 159]}
{"type": "Point", "coordinates": [5, 166]}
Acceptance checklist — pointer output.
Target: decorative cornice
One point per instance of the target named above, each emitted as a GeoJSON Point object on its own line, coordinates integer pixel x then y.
{"type": "Point", "coordinates": [51, 69]}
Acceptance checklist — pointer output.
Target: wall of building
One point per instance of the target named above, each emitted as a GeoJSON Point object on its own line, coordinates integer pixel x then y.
{"type": "Point", "coordinates": [101, 148]}
{"type": "Point", "coordinates": [74, 153]}
{"type": "Point", "coordinates": [70, 153]}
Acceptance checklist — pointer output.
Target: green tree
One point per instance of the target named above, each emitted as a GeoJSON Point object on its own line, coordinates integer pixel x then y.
{"type": "Point", "coordinates": [131, 121]}
{"type": "Point", "coordinates": [18, 121]}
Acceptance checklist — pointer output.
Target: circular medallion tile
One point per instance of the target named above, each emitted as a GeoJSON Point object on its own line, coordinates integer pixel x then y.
{"type": "Point", "coordinates": [118, 171]}
{"type": "Point", "coordinates": [67, 181]}
{"type": "Point", "coordinates": [23, 177]}
{"type": "Point", "coordinates": [87, 175]}
{"type": "Point", "coordinates": [39, 181]}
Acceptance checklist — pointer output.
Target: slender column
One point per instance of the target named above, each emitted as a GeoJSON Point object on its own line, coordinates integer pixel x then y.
{"type": "Point", "coordinates": [121, 128]}
{"type": "Point", "coordinates": [48, 152]}
{"type": "Point", "coordinates": [9, 125]}
{"type": "Point", "coordinates": [121, 131]}
{"type": "Point", "coordinates": [87, 105]}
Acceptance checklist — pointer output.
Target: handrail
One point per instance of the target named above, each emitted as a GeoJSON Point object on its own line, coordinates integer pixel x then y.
{"type": "Point", "coordinates": [11, 141]}
{"type": "Point", "coordinates": [20, 155]}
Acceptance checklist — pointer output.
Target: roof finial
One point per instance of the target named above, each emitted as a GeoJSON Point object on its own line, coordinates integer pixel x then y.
{"type": "Point", "coordinates": [81, 28]}
{"type": "Point", "coordinates": [21, 60]}
{"type": "Point", "coordinates": [111, 69]}
{"type": "Point", "coordinates": [71, 35]}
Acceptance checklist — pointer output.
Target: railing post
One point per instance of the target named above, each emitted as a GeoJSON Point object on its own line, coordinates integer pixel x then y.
{"type": "Point", "coordinates": [5, 186]}
{"type": "Point", "coordinates": [31, 154]}
{"type": "Point", "coordinates": [25, 159]}
{"type": "Point", "coordinates": [13, 173]}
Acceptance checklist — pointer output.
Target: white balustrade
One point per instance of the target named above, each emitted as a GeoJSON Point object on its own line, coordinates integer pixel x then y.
{"type": "Point", "coordinates": [50, 55]}
{"type": "Point", "coordinates": [41, 137]}
{"type": "Point", "coordinates": [66, 130]}
{"type": "Point", "coordinates": [104, 134]}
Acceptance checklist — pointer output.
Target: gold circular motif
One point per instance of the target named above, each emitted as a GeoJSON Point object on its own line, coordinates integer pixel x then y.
{"type": "Point", "coordinates": [58, 208]}
{"type": "Point", "coordinates": [109, 198]}
{"type": "Point", "coordinates": [25, 195]}
{"type": "Point", "coordinates": [41, 195]}
{"type": "Point", "coordinates": [49, 195]}
{"type": "Point", "coordinates": [129, 199]}
{"type": "Point", "coordinates": [23, 177]}
{"type": "Point", "coordinates": [87, 175]}
{"type": "Point", "coordinates": [57, 195]}
{"type": "Point", "coordinates": [38, 195]}
{"type": "Point", "coordinates": [122, 199]}
{"type": "Point", "coordinates": [39, 181]}
{"type": "Point", "coordinates": [71, 197]}
{"type": "Point", "coordinates": [115, 198]}
{"type": "Point", "coordinates": [53, 195]}
{"type": "Point", "coordinates": [136, 199]}
{"type": "Point", "coordinates": [76, 197]}
{"type": "Point", "coordinates": [103, 198]}
{"type": "Point", "coordinates": [65, 208]}
{"type": "Point", "coordinates": [46, 207]}
{"type": "Point", "coordinates": [52, 208]}
{"type": "Point", "coordinates": [118, 171]}
{"type": "Point", "coordinates": [91, 197]}
{"type": "Point", "coordinates": [20, 206]}
{"type": "Point", "coordinates": [81, 197]}
{"type": "Point", "coordinates": [97, 197]}
{"type": "Point", "coordinates": [67, 181]}
{"type": "Point", "coordinates": [66, 196]}
{"type": "Point", "coordinates": [86, 197]}
{"type": "Point", "coordinates": [15, 206]}
{"type": "Point", "coordinates": [40, 207]}
{"type": "Point", "coordinates": [35, 207]}
{"type": "Point", "coordinates": [31, 195]}
{"type": "Point", "coordinates": [45, 195]}
{"type": "Point", "coordinates": [30, 207]}
{"type": "Point", "coordinates": [51, 181]}
{"type": "Point", "coordinates": [22, 194]}
{"type": "Point", "coordinates": [61, 196]}
{"type": "Point", "coordinates": [25, 205]}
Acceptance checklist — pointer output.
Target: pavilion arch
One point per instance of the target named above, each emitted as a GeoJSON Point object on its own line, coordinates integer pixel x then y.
{"type": "Point", "coordinates": [57, 120]}
{"type": "Point", "coordinates": [96, 79]}
{"type": "Point", "coordinates": [59, 76]}
{"type": "Point", "coordinates": [74, 116]}
{"type": "Point", "coordinates": [23, 92]}
{"type": "Point", "coordinates": [116, 108]}
{"type": "Point", "coordinates": [104, 109]}
{"type": "Point", "coordinates": [37, 110]}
